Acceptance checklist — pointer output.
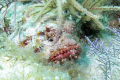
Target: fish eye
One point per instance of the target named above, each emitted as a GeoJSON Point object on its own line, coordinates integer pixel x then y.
{"type": "Point", "coordinates": [48, 29]}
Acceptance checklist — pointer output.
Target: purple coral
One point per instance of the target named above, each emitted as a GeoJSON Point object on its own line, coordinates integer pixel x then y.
{"type": "Point", "coordinates": [106, 56]}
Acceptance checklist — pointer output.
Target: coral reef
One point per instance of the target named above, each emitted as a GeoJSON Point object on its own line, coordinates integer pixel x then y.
{"type": "Point", "coordinates": [72, 34]}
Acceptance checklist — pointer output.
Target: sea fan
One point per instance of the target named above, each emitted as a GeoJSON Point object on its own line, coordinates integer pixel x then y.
{"type": "Point", "coordinates": [107, 56]}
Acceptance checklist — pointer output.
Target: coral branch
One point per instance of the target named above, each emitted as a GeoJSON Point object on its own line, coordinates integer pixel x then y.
{"type": "Point", "coordinates": [4, 14]}
{"type": "Point", "coordinates": [99, 24]}
{"type": "Point", "coordinates": [15, 15]}
{"type": "Point", "coordinates": [84, 3]}
{"type": "Point", "coordinates": [72, 10]}
{"type": "Point", "coordinates": [59, 6]}
{"type": "Point", "coordinates": [96, 3]}
{"type": "Point", "coordinates": [105, 8]}
{"type": "Point", "coordinates": [80, 8]}
{"type": "Point", "coordinates": [41, 12]}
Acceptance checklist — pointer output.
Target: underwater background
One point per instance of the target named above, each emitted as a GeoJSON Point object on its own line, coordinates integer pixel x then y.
{"type": "Point", "coordinates": [59, 40]}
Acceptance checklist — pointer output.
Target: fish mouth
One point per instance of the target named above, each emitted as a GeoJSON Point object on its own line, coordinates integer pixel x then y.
{"type": "Point", "coordinates": [70, 52]}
